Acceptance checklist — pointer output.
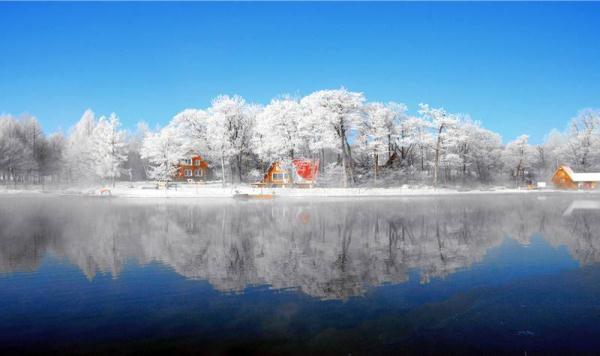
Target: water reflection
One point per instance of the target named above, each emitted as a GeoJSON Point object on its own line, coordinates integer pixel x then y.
{"type": "Point", "coordinates": [328, 249]}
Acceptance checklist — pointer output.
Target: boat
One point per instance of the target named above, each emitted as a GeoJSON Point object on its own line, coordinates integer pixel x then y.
{"type": "Point", "coordinates": [239, 196]}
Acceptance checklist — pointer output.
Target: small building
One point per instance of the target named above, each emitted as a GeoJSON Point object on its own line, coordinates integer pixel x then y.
{"type": "Point", "coordinates": [565, 178]}
{"type": "Point", "coordinates": [277, 176]}
{"type": "Point", "coordinates": [191, 167]}
{"type": "Point", "coordinates": [300, 173]}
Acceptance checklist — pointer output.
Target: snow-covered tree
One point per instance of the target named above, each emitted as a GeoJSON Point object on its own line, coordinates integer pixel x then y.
{"type": "Point", "coordinates": [442, 124]}
{"type": "Point", "coordinates": [192, 127]}
{"type": "Point", "coordinates": [135, 165]}
{"type": "Point", "coordinates": [339, 113]}
{"type": "Point", "coordinates": [484, 152]}
{"type": "Point", "coordinates": [109, 148]}
{"type": "Point", "coordinates": [229, 130]}
{"type": "Point", "coordinates": [555, 145]}
{"type": "Point", "coordinates": [78, 148]}
{"type": "Point", "coordinates": [276, 134]}
{"type": "Point", "coordinates": [16, 157]}
{"type": "Point", "coordinates": [518, 156]}
{"type": "Point", "coordinates": [163, 150]}
{"type": "Point", "coordinates": [582, 149]}
{"type": "Point", "coordinates": [377, 129]}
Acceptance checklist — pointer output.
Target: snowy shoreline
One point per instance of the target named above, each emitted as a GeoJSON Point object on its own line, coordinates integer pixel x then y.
{"type": "Point", "coordinates": [216, 191]}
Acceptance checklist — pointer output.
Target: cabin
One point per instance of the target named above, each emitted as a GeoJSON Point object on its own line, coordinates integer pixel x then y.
{"type": "Point", "coordinates": [305, 172]}
{"type": "Point", "coordinates": [191, 168]}
{"type": "Point", "coordinates": [302, 173]}
{"type": "Point", "coordinates": [565, 178]}
{"type": "Point", "coordinates": [277, 176]}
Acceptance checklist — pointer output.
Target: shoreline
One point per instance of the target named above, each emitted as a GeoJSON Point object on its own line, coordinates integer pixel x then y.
{"type": "Point", "coordinates": [213, 192]}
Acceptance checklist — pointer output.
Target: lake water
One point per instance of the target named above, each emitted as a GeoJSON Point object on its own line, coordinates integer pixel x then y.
{"type": "Point", "coordinates": [514, 273]}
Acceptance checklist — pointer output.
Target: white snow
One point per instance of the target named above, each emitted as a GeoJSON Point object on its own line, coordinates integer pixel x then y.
{"type": "Point", "coordinates": [216, 190]}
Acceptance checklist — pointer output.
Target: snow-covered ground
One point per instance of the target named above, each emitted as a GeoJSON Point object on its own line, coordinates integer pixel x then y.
{"type": "Point", "coordinates": [216, 190]}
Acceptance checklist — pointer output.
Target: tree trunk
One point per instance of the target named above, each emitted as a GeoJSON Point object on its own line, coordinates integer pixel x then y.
{"type": "Point", "coordinates": [222, 169]}
{"type": "Point", "coordinates": [437, 157]}
{"type": "Point", "coordinates": [344, 168]}
{"type": "Point", "coordinates": [375, 167]}
{"type": "Point", "coordinates": [239, 166]}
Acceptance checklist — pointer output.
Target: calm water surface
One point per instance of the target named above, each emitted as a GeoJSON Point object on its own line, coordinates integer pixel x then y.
{"type": "Point", "coordinates": [465, 274]}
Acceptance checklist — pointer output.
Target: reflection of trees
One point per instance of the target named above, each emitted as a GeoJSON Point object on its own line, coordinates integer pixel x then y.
{"type": "Point", "coordinates": [329, 249]}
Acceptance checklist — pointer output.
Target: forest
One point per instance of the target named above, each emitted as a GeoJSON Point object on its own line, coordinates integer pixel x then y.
{"type": "Point", "coordinates": [358, 143]}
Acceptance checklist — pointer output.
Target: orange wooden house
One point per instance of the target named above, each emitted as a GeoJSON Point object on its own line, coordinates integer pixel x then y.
{"type": "Point", "coordinates": [565, 178]}
{"type": "Point", "coordinates": [277, 176]}
{"type": "Point", "coordinates": [193, 167]}
{"type": "Point", "coordinates": [300, 173]}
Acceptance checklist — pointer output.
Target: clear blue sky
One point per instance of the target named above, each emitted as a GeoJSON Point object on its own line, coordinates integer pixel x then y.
{"type": "Point", "coordinates": [517, 67]}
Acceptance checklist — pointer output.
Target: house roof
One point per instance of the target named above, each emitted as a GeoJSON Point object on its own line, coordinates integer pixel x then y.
{"type": "Point", "coordinates": [582, 177]}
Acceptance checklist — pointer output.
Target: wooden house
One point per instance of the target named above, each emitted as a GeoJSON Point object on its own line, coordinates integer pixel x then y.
{"type": "Point", "coordinates": [276, 176]}
{"type": "Point", "coordinates": [191, 168]}
{"type": "Point", "coordinates": [301, 173]}
{"type": "Point", "coordinates": [565, 178]}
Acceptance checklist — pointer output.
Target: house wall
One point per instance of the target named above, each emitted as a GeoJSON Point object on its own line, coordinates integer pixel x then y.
{"type": "Point", "coordinates": [198, 164]}
{"type": "Point", "coordinates": [562, 180]}
{"type": "Point", "coordinates": [276, 169]}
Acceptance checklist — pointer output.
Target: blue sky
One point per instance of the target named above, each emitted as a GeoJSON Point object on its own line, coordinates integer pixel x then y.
{"type": "Point", "coordinates": [517, 67]}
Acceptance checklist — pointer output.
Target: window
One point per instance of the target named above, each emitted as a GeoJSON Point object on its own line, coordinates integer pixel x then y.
{"type": "Point", "coordinates": [199, 173]}
{"type": "Point", "coordinates": [188, 172]}
{"type": "Point", "coordinates": [186, 161]}
{"type": "Point", "coordinates": [197, 162]}
{"type": "Point", "coordinates": [279, 176]}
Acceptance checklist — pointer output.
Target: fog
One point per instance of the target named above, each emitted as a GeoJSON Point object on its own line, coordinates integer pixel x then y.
{"type": "Point", "coordinates": [329, 249]}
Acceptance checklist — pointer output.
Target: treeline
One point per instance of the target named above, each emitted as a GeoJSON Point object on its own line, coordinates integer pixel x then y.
{"type": "Point", "coordinates": [357, 143]}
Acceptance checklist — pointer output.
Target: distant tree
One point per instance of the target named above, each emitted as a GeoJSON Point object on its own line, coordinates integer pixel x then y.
{"type": "Point", "coordinates": [519, 156]}
{"type": "Point", "coordinates": [583, 140]}
{"type": "Point", "coordinates": [78, 148]}
{"type": "Point", "coordinates": [229, 128]}
{"type": "Point", "coordinates": [16, 157]}
{"type": "Point", "coordinates": [377, 129]}
{"type": "Point", "coordinates": [163, 150]}
{"type": "Point", "coordinates": [54, 164]}
{"type": "Point", "coordinates": [109, 148]}
{"type": "Point", "coordinates": [442, 124]}
{"type": "Point", "coordinates": [276, 135]}
{"type": "Point", "coordinates": [135, 165]}
{"type": "Point", "coordinates": [339, 113]}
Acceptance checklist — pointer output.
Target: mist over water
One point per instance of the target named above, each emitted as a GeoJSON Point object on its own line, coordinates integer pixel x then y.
{"type": "Point", "coordinates": [509, 272]}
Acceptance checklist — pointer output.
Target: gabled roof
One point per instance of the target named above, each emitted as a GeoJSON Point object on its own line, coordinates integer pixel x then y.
{"type": "Point", "coordinates": [581, 177]}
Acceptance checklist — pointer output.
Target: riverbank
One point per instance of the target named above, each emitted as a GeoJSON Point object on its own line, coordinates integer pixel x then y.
{"type": "Point", "coordinates": [149, 190]}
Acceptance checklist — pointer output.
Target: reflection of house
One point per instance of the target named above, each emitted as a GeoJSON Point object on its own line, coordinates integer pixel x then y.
{"type": "Point", "coordinates": [192, 167]}
{"type": "Point", "coordinates": [582, 205]}
{"type": "Point", "coordinates": [565, 178]}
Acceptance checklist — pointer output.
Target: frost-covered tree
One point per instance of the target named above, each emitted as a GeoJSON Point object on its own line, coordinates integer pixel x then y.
{"type": "Point", "coordinates": [484, 152]}
{"type": "Point", "coordinates": [109, 148]}
{"type": "Point", "coordinates": [192, 127]}
{"type": "Point", "coordinates": [229, 128]}
{"type": "Point", "coordinates": [54, 162]}
{"type": "Point", "coordinates": [518, 156]}
{"type": "Point", "coordinates": [377, 129]}
{"type": "Point", "coordinates": [135, 165]}
{"type": "Point", "coordinates": [276, 135]}
{"type": "Point", "coordinates": [78, 148]}
{"type": "Point", "coordinates": [582, 149]}
{"type": "Point", "coordinates": [554, 148]}
{"type": "Point", "coordinates": [339, 113]}
{"type": "Point", "coordinates": [16, 156]}
{"type": "Point", "coordinates": [163, 150]}
{"type": "Point", "coordinates": [442, 124]}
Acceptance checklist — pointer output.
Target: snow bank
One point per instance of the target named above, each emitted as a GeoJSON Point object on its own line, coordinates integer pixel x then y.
{"type": "Point", "coordinates": [216, 190]}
